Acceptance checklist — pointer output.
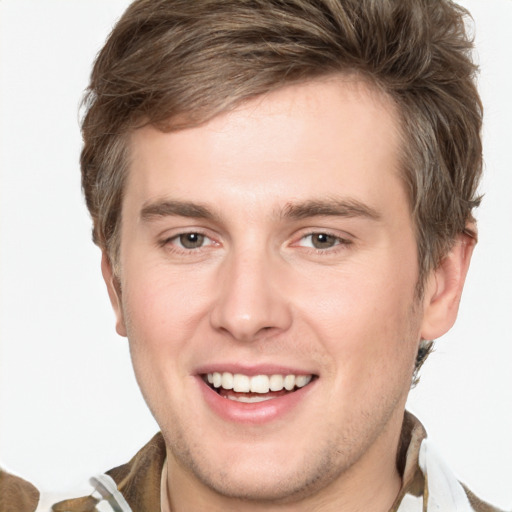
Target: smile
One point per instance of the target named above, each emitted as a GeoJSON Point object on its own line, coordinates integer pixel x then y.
{"type": "Point", "coordinates": [256, 388]}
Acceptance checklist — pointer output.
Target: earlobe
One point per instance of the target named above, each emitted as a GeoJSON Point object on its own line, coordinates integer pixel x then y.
{"type": "Point", "coordinates": [114, 293]}
{"type": "Point", "coordinates": [444, 287]}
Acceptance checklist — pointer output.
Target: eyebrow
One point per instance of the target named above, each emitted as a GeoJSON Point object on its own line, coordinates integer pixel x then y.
{"type": "Point", "coordinates": [330, 208]}
{"type": "Point", "coordinates": [166, 208]}
{"type": "Point", "coordinates": [312, 208]}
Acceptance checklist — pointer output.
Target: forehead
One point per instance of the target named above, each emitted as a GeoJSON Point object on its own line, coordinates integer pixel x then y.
{"type": "Point", "coordinates": [325, 136]}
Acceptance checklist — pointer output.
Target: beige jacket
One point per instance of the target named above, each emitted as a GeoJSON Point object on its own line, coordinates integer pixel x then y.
{"type": "Point", "coordinates": [138, 483]}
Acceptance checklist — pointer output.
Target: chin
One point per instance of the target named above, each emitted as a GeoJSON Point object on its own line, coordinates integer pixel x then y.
{"type": "Point", "coordinates": [258, 472]}
{"type": "Point", "coordinates": [272, 483]}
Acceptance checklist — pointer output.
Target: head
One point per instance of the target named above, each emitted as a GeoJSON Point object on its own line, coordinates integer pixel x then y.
{"type": "Point", "coordinates": [182, 63]}
{"type": "Point", "coordinates": [178, 64]}
{"type": "Point", "coordinates": [170, 67]}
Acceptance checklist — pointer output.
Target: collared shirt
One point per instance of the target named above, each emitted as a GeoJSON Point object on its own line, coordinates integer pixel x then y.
{"type": "Point", "coordinates": [427, 483]}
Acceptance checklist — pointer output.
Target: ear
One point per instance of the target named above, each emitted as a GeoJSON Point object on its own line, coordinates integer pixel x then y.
{"type": "Point", "coordinates": [444, 287]}
{"type": "Point", "coordinates": [114, 293]}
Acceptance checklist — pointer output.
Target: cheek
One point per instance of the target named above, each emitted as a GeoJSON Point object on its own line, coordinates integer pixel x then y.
{"type": "Point", "coordinates": [157, 333]}
{"type": "Point", "coordinates": [156, 325]}
{"type": "Point", "coordinates": [160, 299]}
{"type": "Point", "coordinates": [366, 321]}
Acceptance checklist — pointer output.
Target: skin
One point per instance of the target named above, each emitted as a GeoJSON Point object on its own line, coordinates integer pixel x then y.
{"type": "Point", "coordinates": [256, 291]}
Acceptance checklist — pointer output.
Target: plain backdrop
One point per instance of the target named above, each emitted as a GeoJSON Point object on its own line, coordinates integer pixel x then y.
{"type": "Point", "coordinates": [69, 404]}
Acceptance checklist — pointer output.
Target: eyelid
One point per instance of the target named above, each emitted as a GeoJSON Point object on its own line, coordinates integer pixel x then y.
{"type": "Point", "coordinates": [166, 240]}
{"type": "Point", "coordinates": [205, 240]}
{"type": "Point", "coordinates": [342, 240]}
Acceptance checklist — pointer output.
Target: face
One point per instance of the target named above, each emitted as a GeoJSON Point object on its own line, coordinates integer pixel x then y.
{"type": "Point", "coordinates": [267, 288]}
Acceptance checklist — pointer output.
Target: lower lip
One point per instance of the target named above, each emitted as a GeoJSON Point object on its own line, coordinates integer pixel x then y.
{"type": "Point", "coordinates": [255, 413]}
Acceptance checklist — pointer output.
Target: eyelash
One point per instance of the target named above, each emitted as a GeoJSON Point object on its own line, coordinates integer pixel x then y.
{"type": "Point", "coordinates": [171, 244]}
{"type": "Point", "coordinates": [340, 243]}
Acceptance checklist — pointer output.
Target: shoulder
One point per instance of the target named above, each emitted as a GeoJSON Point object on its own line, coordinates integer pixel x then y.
{"type": "Point", "coordinates": [428, 482]}
{"type": "Point", "coordinates": [477, 504]}
{"type": "Point", "coordinates": [131, 486]}
{"type": "Point", "coordinates": [16, 494]}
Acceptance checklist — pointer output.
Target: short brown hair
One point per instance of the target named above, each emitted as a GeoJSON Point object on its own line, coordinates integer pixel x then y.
{"type": "Point", "coordinates": [178, 63]}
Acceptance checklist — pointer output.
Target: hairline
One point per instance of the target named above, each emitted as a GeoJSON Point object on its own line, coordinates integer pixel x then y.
{"type": "Point", "coordinates": [187, 121]}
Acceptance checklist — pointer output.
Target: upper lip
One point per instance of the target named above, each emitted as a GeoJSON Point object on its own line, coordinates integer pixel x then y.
{"type": "Point", "coordinates": [251, 370]}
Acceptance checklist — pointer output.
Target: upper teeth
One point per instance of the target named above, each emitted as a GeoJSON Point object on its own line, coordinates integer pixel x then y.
{"type": "Point", "coordinates": [258, 383]}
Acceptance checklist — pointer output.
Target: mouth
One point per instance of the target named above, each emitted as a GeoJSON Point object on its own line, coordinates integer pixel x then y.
{"type": "Point", "coordinates": [256, 388]}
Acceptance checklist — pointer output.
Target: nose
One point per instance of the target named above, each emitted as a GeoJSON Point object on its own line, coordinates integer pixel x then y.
{"type": "Point", "coordinates": [251, 301]}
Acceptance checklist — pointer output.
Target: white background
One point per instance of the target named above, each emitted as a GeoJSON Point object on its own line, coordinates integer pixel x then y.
{"type": "Point", "coordinates": [69, 405]}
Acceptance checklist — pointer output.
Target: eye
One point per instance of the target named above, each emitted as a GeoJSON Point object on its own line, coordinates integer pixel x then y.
{"type": "Point", "coordinates": [321, 241]}
{"type": "Point", "coordinates": [191, 240]}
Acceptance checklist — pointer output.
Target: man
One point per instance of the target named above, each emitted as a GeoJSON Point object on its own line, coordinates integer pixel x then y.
{"type": "Point", "coordinates": [283, 195]}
